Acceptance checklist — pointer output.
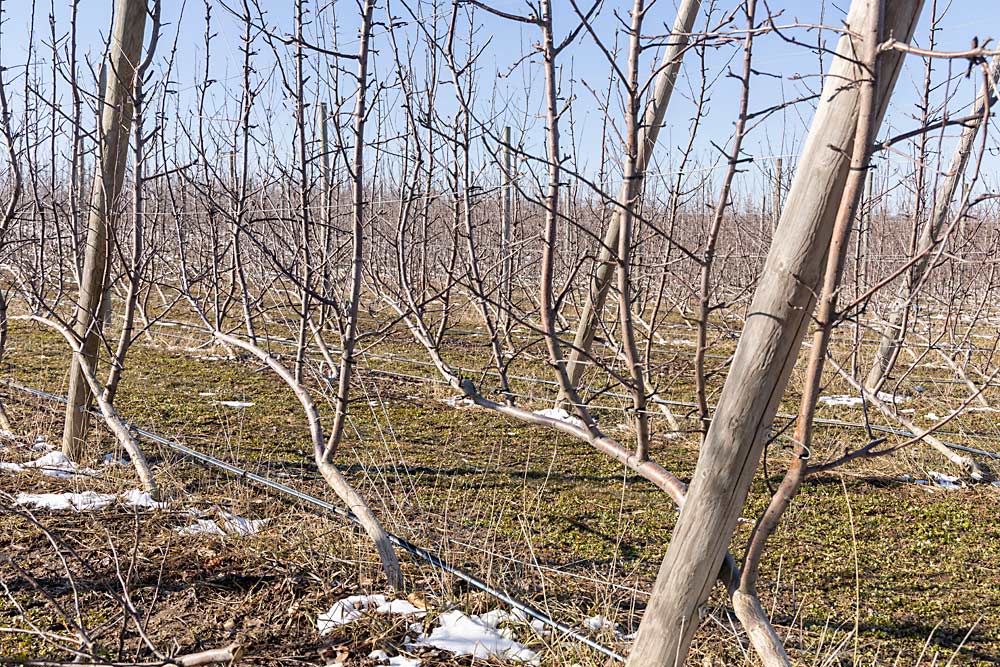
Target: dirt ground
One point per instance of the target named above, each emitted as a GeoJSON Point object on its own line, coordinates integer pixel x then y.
{"type": "Point", "coordinates": [867, 568]}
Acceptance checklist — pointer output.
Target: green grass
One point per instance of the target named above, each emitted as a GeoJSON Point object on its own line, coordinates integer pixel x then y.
{"type": "Point", "coordinates": [573, 521]}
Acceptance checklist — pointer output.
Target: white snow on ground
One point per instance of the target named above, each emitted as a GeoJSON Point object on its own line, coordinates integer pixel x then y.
{"type": "Point", "coordinates": [200, 527]}
{"type": "Point", "coordinates": [599, 623]}
{"type": "Point", "coordinates": [938, 479]}
{"type": "Point", "coordinates": [229, 524]}
{"type": "Point", "coordinates": [933, 417]}
{"type": "Point", "coordinates": [396, 660]}
{"type": "Point", "coordinates": [88, 500]}
{"type": "Point", "coordinates": [477, 636]}
{"type": "Point", "coordinates": [354, 607]}
{"type": "Point", "coordinates": [56, 464]}
{"type": "Point", "coordinates": [137, 498]}
{"type": "Point", "coordinates": [853, 401]}
{"type": "Point", "coordinates": [115, 459]}
{"type": "Point", "coordinates": [460, 401]}
{"type": "Point", "coordinates": [237, 525]}
{"type": "Point", "coordinates": [840, 400]}
{"type": "Point", "coordinates": [944, 481]}
{"type": "Point", "coordinates": [560, 415]}
{"type": "Point", "coordinates": [41, 445]}
{"type": "Point", "coordinates": [11, 467]}
{"type": "Point", "coordinates": [236, 404]}
{"type": "Point", "coordinates": [7, 435]}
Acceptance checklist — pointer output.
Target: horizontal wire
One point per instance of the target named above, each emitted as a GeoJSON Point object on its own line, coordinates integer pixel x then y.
{"type": "Point", "coordinates": [301, 496]}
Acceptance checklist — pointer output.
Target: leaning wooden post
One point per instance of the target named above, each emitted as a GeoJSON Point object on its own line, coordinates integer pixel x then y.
{"type": "Point", "coordinates": [768, 346]}
{"type": "Point", "coordinates": [507, 202]}
{"type": "Point", "coordinates": [776, 201]}
{"type": "Point", "coordinates": [116, 120]}
{"type": "Point", "coordinates": [324, 198]}
{"type": "Point", "coordinates": [650, 130]}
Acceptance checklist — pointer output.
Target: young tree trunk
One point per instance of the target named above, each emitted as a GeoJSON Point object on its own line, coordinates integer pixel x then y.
{"type": "Point", "coordinates": [9, 210]}
{"type": "Point", "coordinates": [116, 119]}
{"type": "Point", "coordinates": [892, 333]}
{"type": "Point", "coordinates": [323, 451]}
{"type": "Point", "coordinates": [767, 349]}
{"type": "Point", "coordinates": [650, 130]}
{"type": "Point", "coordinates": [134, 272]}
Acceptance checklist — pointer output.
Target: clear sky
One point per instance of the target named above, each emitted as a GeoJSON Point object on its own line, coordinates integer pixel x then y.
{"type": "Point", "coordinates": [786, 72]}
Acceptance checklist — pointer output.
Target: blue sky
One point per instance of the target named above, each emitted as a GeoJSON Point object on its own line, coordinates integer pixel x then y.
{"type": "Point", "coordinates": [790, 70]}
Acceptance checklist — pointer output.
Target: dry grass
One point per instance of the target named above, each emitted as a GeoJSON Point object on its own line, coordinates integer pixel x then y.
{"type": "Point", "coordinates": [540, 516]}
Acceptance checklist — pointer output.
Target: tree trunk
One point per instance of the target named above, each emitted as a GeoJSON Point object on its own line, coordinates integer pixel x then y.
{"type": "Point", "coordinates": [892, 333]}
{"type": "Point", "coordinates": [650, 130]}
{"type": "Point", "coordinates": [767, 349]}
{"type": "Point", "coordinates": [116, 119]}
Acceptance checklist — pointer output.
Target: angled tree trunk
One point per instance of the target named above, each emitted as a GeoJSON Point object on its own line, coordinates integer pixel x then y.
{"type": "Point", "coordinates": [648, 132]}
{"type": "Point", "coordinates": [768, 347]}
{"type": "Point", "coordinates": [892, 333]}
{"type": "Point", "coordinates": [115, 121]}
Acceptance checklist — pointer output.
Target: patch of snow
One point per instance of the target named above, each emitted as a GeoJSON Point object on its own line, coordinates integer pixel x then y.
{"type": "Point", "coordinates": [79, 502]}
{"type": "Point", "coordinates": [56, 464]}
{"type": "Point", "coordinates": [396, 660]}
{"type": "Point", "coordinates": [400, 608]}
{"type": "Point", "coordinates": [7, 435]}
{"type": "Point", "coordinates": [354, 607]}
{"type": "Point", "coordinates": [460, 401]}
{"type": "Point", "coordinates": [944, 481]}
{"type": "Point", "coordinates": [560, 415]}
{"type": "Point", "coordinates": [11, 467]}
{"type": "Point", "coordinates": [477, 636]}
{"type": "Point", "coordinates": [237, 525]}
{"type": "Point", "coordinates": [236, 404]}
{"type": "Point", "coordinates": [840, 400]}
{"type": "Point", "coordinates": [229, 524]}
{"type": "Point", "coordinates": [599, 623]}
{"type": "Point", "coordinates": [137, 498]}
{"type": "Point", "coordinates": [200, 527]}
{"type": "Point", "coordinates": [41, 444]}
{"type": "Point", "coordinates": [115, 459]}
{"type": "Point", "coordinates": [854, 401]}
{"type": "Point", "coordinates": [206, 393]}
{"type": "Point", "coordinates": [933, 417]}
{"type": "Point", "coordinates": [539, 628]}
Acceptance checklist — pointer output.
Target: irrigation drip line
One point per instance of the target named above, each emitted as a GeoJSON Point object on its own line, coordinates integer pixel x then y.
{"type": "Point", "coordinates": [400, 542]}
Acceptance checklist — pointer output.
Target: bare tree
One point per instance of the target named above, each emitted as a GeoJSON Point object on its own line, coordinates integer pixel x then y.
{"type": "Point", "coordinates": [769, 343]}
{"type": "Point", "coordinates": [652, 121]}
{"type": "Point", "coordinates": [116, 119]}
{"type": "Point", "coordinates": [930, 234]}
